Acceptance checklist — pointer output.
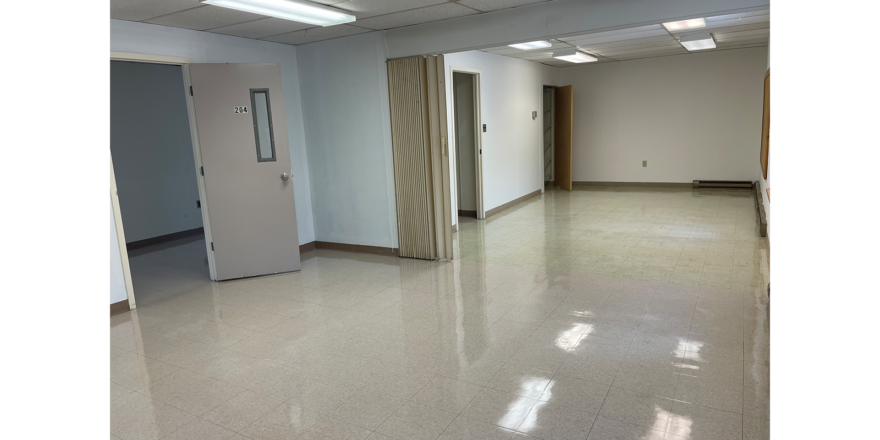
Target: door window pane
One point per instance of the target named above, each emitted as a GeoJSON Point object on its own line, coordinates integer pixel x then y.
{"type": "Point", "coordinates": [262, 112]}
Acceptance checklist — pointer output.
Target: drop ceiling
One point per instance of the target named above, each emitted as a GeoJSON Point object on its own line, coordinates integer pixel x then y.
{"type": "Point", "coordinates": [735, 31]}
{"type": "Point", "coordinates": [750, 29]}
{"type": "Point", "coordinates": [371, 15]}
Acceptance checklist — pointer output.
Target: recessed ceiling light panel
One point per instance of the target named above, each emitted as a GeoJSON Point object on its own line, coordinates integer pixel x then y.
{"type": "Point", "coordinates": [698, 42]}
{"type": "Point", "coordinates": [574, 56]}
{"type": "Point", "coordinates": [685, 24]}
{"type": "Point", "coordinates": [302, 12]}
{"type": "Point", "coordinates": [531, 45]}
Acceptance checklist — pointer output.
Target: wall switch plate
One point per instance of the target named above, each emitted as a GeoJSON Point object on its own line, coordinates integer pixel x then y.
{"type": "Point", "coordinates": [644, 163]}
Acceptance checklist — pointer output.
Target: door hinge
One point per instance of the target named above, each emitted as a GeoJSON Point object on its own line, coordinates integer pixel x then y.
{"type": "Point", "coordinates": [212, 245]}
{"type": "Point", "coordinates": [190, 90]}
{"type": "Point", "coordinates": [481, 151]}
{"type": "Point", "coordinates": [202, 169]}
{"type": "Point", "coordinates": [198, 203]}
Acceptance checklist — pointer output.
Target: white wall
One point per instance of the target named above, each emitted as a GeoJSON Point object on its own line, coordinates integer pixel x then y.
{"type": "Point", "coordinates": [348, 130]}
{"type": "Point", "coordinates": [765, 184]}
{"type": "Point", "coordinates": [692, 117]}
{"type": "Point", "coordinates": [152, 150]}
{"type": "Point", "coordinates": [204, 47]}
{"type": "Point", "coordinates": [117, 279]}
{"type": "Point", "coordinates": [510, 89]}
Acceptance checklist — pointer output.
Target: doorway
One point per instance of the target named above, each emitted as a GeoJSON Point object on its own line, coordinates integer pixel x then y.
{"type": "Point", "coordinates": [157, 187]}
{"type": "Point", "coordinates": [241, 116]}
{"type": "Point", "coordinates": [547, 137]}
{"type": "Point", "coordinates": [468, 143]}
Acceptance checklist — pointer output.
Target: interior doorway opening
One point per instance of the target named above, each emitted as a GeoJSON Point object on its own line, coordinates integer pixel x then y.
{"type": "Point", "coordinates": [156, 183]}
{"type": "Point", "coordinates": [468, 143]}
{"type": "Point", "coordinates": [547, 137]}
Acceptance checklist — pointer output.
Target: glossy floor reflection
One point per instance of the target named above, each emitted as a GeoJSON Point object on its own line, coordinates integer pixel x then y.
{"type": "Point", "coordinates": [595, 314]}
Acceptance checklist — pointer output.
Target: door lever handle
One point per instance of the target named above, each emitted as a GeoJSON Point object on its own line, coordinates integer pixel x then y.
{"type": "Point", "coordinates": [284, 176]}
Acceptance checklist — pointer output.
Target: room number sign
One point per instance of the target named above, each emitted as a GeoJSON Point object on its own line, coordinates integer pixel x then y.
{"type": "Point", "coordinates": [240, 109]}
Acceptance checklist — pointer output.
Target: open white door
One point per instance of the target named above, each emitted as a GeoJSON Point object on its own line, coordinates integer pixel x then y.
{"type": "Point", "coordinates": [242, 128]}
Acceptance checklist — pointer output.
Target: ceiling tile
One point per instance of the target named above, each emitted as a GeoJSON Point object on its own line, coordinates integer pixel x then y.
{"type": "Point", "coordinates": [650, 27]}
{"type": "Point", "coordinates": [370, 8]}
{"type": "Point", "coordinates": [740, 15]}
{"type": "Point", "coordinates": [646, 50]}
{"type": "Point", "coordinates": [138, 10]}
{"type": "Point", "coordinates": [635, 47]}
{"type": "Point", "coordinates": [262, 28]}
{"type": "Point", "coordinates": [727, 36]}
{"type": "Point", "coordinates": [742, 43]}
{"type": "Point", "coordinates": [632, 42]}
{"type": "Point", "coordinates": [494, 5]}
{"type": "Point", "coordinates": [416, 16]}
{"type": "Point", "coordinates": [205, 17]}
{"type": "Point", "coordinates": [317, 34]}
{"type": "Point", "coordinates": [586, 40]}
{"type": "Point", "coordinates": [725, 30]}
{"type": "Point", "coordinates": [661, 53]}
{"type": "Point", "coordinates": [711, 26]}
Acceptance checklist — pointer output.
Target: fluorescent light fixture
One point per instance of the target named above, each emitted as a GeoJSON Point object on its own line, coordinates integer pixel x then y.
{"type": "Point", "coordinates": [685, 24]}
{"type": "Point", "coordinates": [573, 56]}
{"type": "Point", "coordinates": [531, 45]}
{"type": "Point", "coordinates": [288, 10]}
{"type": "Point", "coordinates": [698, 42]}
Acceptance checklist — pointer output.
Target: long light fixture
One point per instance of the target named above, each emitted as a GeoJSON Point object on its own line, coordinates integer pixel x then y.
{"type": "Point", "coordinates": [685, 24]}
{"type": "Point", "coordinates": [531, 45]}
{"type": "Point", "coordinates": [288, 10]}
{"type": "Point", "coordinates": [573, 56]}
{"type": "Point", "coordinates": [698, 42]}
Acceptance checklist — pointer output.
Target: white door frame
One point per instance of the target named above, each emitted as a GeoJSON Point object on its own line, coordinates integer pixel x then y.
{"type": "Point", "coordinates": [478, 137]}
{"type": "Point", "coordinates": [197, 154]}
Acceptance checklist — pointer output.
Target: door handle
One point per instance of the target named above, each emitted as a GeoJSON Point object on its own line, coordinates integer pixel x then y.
{"type": "Point", "coordinates": [284, 176]}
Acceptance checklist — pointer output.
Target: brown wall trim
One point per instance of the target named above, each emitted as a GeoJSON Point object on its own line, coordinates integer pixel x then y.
{"type": "Point", "coordinates": [642, 184]}
{"type": "Point", "coordinates": [463, 213]}
{"type": "Point", "coordinates": [357, 248]}
{"type": "Point", "coordinates": [759, 207]}
{"type": "Point", "coordinates": [119, 307]}
{"type": "Point", "coordinates": [164, 238]}
{"type": "Point", "coordinates": [507, 205]}
{"type": "Point", "coordinates": [303, 248]}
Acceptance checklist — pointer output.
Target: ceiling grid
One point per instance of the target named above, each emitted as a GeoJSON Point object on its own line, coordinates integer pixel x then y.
{"type": "Point", "coordinates": [750, 29]}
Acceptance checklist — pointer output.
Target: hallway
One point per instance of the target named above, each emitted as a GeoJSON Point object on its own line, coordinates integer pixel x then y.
{"type": "Point", "coordinates": [602, 313]}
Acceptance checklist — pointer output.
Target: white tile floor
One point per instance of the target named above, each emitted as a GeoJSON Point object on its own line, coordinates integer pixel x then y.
{"type": "Point", "coordinates": [595, 314]}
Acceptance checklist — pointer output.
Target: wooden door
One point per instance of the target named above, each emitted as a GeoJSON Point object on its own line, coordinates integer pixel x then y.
{"type": "Point", "coordinates": [765, 128]}
{"type": "Point", "coordinates": [563, 112]}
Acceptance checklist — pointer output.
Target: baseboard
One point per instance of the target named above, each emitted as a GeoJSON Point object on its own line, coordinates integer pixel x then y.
{"type": "Point", "coordinates": [639, 184]}
{"type": "Point", "coordinates": [303, 248]}
{"type": "Point", "coordinates": [164, 238]}
{"type": "Point", "coordinates": [723, 184]}
{"type": "Point", "coordinates": [357, 248]}
{"type": "Point", "coordinates": [119, 307]}
{"type": "Point", "coordinates": [463, 213]}
{"type": "Point", "coordinates": [507, 205]}
{"type": "Point", "coordinates": [759, 208]}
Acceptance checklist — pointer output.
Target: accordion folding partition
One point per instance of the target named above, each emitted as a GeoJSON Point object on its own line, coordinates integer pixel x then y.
{"type": "Point", "coordinates": [421, 157]}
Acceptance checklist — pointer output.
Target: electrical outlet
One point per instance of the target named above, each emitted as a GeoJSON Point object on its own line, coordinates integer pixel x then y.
{"type": "Point", "coordinates": [644, 164]}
